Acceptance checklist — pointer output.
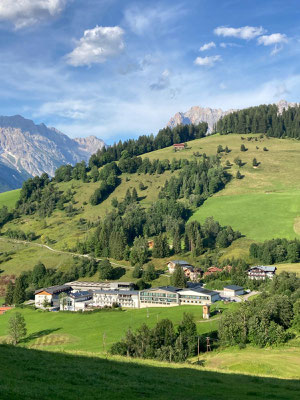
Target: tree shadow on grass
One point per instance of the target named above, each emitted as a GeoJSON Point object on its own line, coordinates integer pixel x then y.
{"type": "Point", "coordinates": [38, 334]}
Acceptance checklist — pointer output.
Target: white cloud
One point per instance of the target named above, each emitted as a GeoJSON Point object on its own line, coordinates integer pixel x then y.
{"type": "Point", "coordinates": [141, 20]}
{"type": "Point", "coordinates": [96, 46]}
{"type": "Point", "coordinates": [207, 46]}
{"type": "Point", "coordinates": [245, 32]}
{"type": "Point", "coordinates": [275, 38]}
{"type": "Point", "coordinates": [229, 44]}
{"type": "Point", "coordinates": [24, 13]}
{"type": "Point", "coordinates": [207, 61]}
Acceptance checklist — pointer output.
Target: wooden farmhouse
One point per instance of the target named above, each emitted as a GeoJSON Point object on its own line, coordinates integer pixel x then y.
{"type": "Point", "coordinates": [261, 272]}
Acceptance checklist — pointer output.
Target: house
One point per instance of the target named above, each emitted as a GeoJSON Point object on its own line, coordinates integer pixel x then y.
{"type": "Point", "coordinates": [197, 296]}
{"type": "Point", "coordinates": [123, 298]}
{"type": "Point", "coordinates": [233, 290]}
{"type": "Point", "coordinates": [261, 272]}
{"type": "Point", "coordinates": [80, 285]}
{"type": "Point", "coordinates": [159, 297]}
{"type": "Point", "coordinates": [212, 270]}
{"type": "Point", "coordinates": [190, 272]}
{"type": "Point", "coordinates": [75, 301]}
{"type": "Point", "coordinates": [50, 295]}
{"type": "Point", "coordinates": [179, 146]}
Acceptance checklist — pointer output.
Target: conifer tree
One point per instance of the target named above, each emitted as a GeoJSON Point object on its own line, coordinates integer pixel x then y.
{"type": "Point", "coordinates": [178, 278]}
{"type": "Point", "coordinates": [19, 292]}
{"type": "Point", "coordinates": [9, 296]}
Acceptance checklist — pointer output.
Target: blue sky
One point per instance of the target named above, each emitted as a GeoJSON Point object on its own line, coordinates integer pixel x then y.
{"type": "Point", "coordinates": [121, 68]}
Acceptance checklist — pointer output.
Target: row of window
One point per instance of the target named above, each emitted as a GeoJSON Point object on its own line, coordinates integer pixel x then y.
{"type": "Point", "coordinates": [157, 294]}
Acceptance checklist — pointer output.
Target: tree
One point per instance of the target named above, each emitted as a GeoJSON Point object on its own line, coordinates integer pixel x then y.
{"type": "Point", "coordinates": [137, 271]}
{"type": "Point", "coordinates": [177, 242]}
{"type": "Point", "coordinates": [105, 270]}
{"type": "Point", "coordinates": [17, 328]}
{"type": "Point", "coordinates": [149, 273]}
{"type": "Point", "coordinates": [9, 296]}
{"type": "Point", "coordinates": [238, 175]}
{"type": "Point", "coordinates": [19, 292]}
{"type": "Point", "coordinates": [254, 162]}
{"type": "Point", "coordinates": [243, 147]}
{"type": "Point", "coordinates": [238, 161]}
{"type": "Point", "coordinates": [139, 251]}
{"type": "Point", "coordinates": [161, 247]}
{"type": "Point", "coordinates": [178, 278]}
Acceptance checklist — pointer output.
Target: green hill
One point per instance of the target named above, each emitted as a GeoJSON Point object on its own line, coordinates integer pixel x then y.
{"type": "Point", "coordinates": [263, 205]}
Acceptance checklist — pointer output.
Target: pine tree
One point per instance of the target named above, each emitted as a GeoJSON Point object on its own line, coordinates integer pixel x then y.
{"type": "Point", "coordinates": [177, 243]}
{"type": "Point", "coordinates": [9, 296]}
{"type": "Point", "coordinates": [254, 162]}
{"type": "Point", "coordinates": [134, 196]}
{"type": "Point", "coordinates": [238, 175]}
{"type": "Point", "coordinates": [19, 292]}
{"type": "Point", "coordinates": [178, 278]}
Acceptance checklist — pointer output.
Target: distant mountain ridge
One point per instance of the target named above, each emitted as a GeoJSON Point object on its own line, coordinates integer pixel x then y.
{"type": "Point", "coordinates": [197, 114]}
{"type": "Point", "coordinates": [27, 149]}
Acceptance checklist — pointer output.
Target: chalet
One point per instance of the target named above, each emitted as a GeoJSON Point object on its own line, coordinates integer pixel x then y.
{"type": "Point", "coordinates": [123, 298]}
{"type": "Point", "coordinates": [75, 301]}
{"type": "Point", "coordinates": [212, 270]}
{"type": "Point", "coordinates": [261, 272]}
{"type": "Point", "coordinates": [50, 295]}
{"type": "Point", "coordinates": [179, 146]}
{"type": "Point", "coordinates": [80, 285]}
{"type": "Point", "coordinates": [197, 296]}
{"type": "Point", "coordinates": [233, 290]}
{"type": "Point", "coordinates": [159, 297]}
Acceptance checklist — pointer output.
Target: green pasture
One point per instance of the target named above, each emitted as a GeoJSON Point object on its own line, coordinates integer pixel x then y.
{"type": "Point", "coordinates": [258, 216]}
{"type": "Point", "coordinates": [9, 199]}
{"type": "Point", "coordinates": [32, 374]}
{"type": "Point", "coordinates": [282, 361]}
{"type": "Point", "coordinates": [96, 332]}
{"type": "Point", "coordinates": [289, 268]}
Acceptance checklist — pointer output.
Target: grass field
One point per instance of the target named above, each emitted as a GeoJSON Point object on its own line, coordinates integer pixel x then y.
{"type": "Point", "coordinates": [9, 199]}
{"type": "Point", "coordinates": [56, 376]}
{"type": "Point", "coordinates": [59, 331]}
{"type": "Point", "coordinates": [259, 216]}
{"type": "Point", "coordinates": [283, 361]}
{"type": "Point", "coordinates": [289, 268]}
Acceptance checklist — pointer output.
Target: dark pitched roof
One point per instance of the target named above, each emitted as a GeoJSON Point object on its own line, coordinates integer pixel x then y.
{"type": "Point", "coordinates": [180, 262]}
{"type": "Point", "coordinates": [233, 287]}
{"type": "Point", "coordinates": [54, 289]}
{"type": "Point", "coordinates": [77, 295]}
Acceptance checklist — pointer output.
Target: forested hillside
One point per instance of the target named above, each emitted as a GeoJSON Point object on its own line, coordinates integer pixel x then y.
{"type": "Point", "coordinates": [262, 119]}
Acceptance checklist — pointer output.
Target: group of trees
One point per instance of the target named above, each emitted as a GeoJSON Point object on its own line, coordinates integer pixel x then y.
{"type": "Point", "coordinates": [163, 342]}
{"type": "Point", "coordinates": [276, 250]}
{"type": "Point", "coordinates": [262, 119]}
{"type": "Point", "coordinates": [5, 216]}
{"type": "Point", "coordinates": [265, 320]}
{"type": "Point", "coordinates": [40, 276]}
{"type": "Point", "coordinates": [144, 144]}
{"type": "Point", "coordinates": [20, 235]}
{"type": "Point", "coordinates": [197, 181]}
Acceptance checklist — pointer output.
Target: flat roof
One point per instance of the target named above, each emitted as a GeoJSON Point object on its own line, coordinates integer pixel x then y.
{"type": "Point", "coordinates": [199, 290]}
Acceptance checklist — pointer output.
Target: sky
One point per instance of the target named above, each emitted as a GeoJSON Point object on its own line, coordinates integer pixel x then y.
{"type": "Point", "coordinates": [117, 69]}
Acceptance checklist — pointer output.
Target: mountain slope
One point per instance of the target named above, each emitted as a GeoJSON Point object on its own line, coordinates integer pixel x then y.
{"type": "Point", "coordinates": [198, 114]}
{"type": "Point", "coordinates": [27, 149]}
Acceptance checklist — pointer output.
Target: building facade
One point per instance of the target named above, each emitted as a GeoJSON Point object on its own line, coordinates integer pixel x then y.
{"type": "Point", "coordinates": [197, 296]}
{"type": "Point", "coordinates": [50, 295]}
{"type": "Point", "coordinates": [261, 272]}
{"type": "Point", "coordinates": [75, 301]}
{"type": "Point", "coordinates": [122, 298]}
{"type": "Point", "coordinates": [233, 290]}
{"type": "Point", "coordinates": [159, 297]}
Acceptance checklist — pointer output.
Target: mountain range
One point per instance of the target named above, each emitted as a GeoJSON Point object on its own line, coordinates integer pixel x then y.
{"type": "Point", "coordinates": [27, 149]}
{"type": "Point", "coordinates": [197, 114]}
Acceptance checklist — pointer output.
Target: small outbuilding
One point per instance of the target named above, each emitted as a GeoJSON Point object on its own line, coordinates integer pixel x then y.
{"type": "Point", "coordinates": [233, 290]}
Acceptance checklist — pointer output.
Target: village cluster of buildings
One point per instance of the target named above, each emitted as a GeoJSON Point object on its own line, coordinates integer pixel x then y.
{"type": "Point", "coordinates": [76, 296]}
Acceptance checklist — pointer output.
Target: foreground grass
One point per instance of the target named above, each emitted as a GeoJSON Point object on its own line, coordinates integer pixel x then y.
{"type": "Point", "coordinates": [48, 375]}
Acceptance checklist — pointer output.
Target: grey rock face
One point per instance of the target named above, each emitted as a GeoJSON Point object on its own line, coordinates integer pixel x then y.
{"type": "Point", "coordinates": [31, 149]}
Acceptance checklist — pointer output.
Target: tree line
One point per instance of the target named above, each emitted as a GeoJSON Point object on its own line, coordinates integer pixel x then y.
{"type": "Point", "coordinates": [265, 320]}
{"type": "Point", "coordinates": [163, 342]}
{"type": "Point", "coordinates": [276, 251]}
{"type": "Point", "coordinates": [262, 119]}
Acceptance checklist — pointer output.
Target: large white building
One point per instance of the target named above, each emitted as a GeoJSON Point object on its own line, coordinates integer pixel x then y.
{"type": "Point", "coordinates": [76, 301]}
{"type": "Point", "coordinates": [197, 296]}
{"type": "Point", "coordinates": [50, 296]}
{"type": "Point", "coordinates": [122, 298]}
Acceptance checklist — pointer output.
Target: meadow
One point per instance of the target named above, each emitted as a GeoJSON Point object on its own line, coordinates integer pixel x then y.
{"type": "Point", "coordinates": [9, 199]}
{"type": "Point", "coordinates": [56, 376]}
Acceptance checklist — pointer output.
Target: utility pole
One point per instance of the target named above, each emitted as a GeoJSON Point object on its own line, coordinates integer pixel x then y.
{"type": "Point", "coordinates": [208, 348]}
